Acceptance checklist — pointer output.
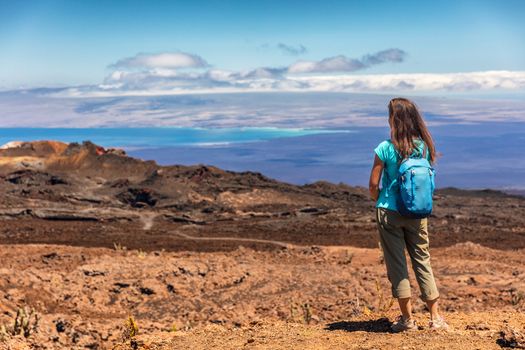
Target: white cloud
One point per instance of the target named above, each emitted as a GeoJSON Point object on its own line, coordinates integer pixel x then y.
{"type": "Point", "coordinates": [172, 82]}
{"type": "Point", "coordinates": [168, 74]}
{"type": "Point", "coordinates": [292, 50]}
{"type": "Point", "coordinates": [417, 82]}
{"type": "Point", "coordinates": [332, 64]}
{"type": "Point", "coordinates": [167, 71]}
{"type": "Point", "coordinates": [342, 63]}
{"type": "Point", "coordinates": [162, 60]}
{"type": "Point", "coordinates": [390, 55]}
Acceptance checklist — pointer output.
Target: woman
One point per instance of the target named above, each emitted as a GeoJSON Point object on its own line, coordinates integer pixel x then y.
{"type": "Point", "coordinates": [408, 137]}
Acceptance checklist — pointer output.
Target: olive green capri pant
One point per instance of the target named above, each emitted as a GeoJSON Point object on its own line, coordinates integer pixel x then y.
{"type": "Point", "coordinates": [397, 233]}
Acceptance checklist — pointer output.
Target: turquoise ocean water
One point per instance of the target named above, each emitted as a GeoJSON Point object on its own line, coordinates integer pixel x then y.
{"type": "Point", "coordinates": [483, 155]}
{"type": "Point", "coordinates": [145, 138]}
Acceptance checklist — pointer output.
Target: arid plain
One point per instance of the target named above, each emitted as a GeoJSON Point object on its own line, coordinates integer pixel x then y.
{"type": "Point", "coordinates": [199, 257]}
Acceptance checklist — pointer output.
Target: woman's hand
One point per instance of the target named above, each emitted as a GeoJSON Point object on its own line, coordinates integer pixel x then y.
{"type": "Point", "coordinates": [375, 177]}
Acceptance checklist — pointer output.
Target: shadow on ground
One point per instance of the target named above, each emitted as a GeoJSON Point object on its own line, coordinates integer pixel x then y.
{"type": "Point", "coordinates": [381, 325]}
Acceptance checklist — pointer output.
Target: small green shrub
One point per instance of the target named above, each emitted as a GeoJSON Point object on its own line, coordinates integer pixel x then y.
{"type": "Point", "coordinates": [141, 254]}
{"type": "Point", "coordinates": [300, 312]}
{"type": "Point", "coordinates": [382, 305]}
{"type": "Point", "coordinates": [119, 247]}
{"type": "Point", "coordinates": [131, 329]}
{"type": "Point", "coordinates": [25, 323]}
{"type": "Point", "coordinates": [307, 313]}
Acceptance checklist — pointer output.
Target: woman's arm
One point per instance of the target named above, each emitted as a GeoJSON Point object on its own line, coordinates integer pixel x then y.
{"type": "Point", "coordinates": [375, 177]}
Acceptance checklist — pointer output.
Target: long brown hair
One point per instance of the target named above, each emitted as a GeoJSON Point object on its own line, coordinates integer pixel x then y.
{"type": "Point", "coordinates": [407, 124]}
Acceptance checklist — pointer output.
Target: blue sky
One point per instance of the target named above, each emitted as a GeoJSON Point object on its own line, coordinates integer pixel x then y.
{"type": "Point", "coordinates": [64, 43]}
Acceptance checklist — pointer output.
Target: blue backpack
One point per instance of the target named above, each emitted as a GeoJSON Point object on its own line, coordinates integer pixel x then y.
{"type": "Point", "coordinates": [415, 181]}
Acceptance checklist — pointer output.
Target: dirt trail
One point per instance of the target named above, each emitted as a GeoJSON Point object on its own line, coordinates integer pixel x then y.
{"type": "Point", "coordinates": [238, 239]}
{"type": "Point", "coordinates": [281, 244]}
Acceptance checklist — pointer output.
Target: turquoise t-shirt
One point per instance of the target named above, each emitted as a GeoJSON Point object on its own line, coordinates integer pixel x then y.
{"type": "Point", "coordinates": [388, 155]}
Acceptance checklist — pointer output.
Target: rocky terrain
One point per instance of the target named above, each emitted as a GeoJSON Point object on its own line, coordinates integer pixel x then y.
{"type": "Point", "coordinates": [200, 257]}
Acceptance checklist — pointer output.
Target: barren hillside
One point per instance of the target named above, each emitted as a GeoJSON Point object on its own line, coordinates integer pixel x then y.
{"type": "Point", "coordinates": [200, 257]}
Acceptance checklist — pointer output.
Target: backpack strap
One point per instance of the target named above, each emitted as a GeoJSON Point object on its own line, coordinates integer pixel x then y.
{"type": "Point", "coordinates": [398, 157]}
{"type": "Point", "coordinates": [424, 153]}
{"type": "Point", "coordinates": [394, 182]}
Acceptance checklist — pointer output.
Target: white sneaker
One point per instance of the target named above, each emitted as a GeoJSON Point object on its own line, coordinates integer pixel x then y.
{"type": "Point", "coordinates": [402, 325]}
{"type": "Point", "coordinates": [438, 324]}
